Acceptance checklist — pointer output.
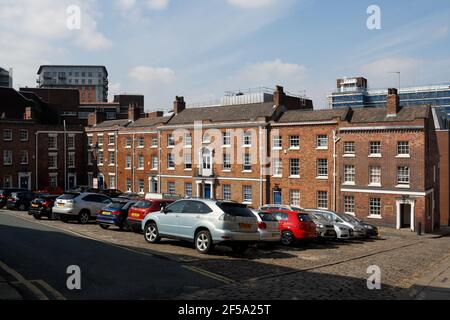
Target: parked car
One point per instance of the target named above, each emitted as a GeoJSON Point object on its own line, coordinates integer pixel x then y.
{"type": "Point", "coordinates": [112, 193]}
{"type": "Point", "coordinates": [268, 226]}
{"type": "Point", "coordinates": [142, 208]}
{"type": "Point", "coordinates": [115, 214]}
{"type": "Point", "coordinates": [341, 231]}
{"type": "Point", "coordinates": [358, 231]}
{"type": "Point", "coordinates": [294, 225]}
{"type": "Point", "coordinates": [131, 196]}
{"type": "Point", "coordinates": [205, 222]}
{"type": "Point", "coordinates": [80, 206]}
{"type": "Point", "coordinates": [325, 229]}
{"type": "Point", "coordinates": [20, 200]}
{"type": "Point", "coordinates": [273, 207]}
{"type": "Point", "coordinates": [42, 206]}
{"type": "Point", "coordinates": [5, 193]}
{"type": "Point", "coordinates": [371, 230]}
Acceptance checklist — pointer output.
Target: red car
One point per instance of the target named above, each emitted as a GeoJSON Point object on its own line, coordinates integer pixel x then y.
{"type": "Point", "coordinates": [138, 212]}
{"type": "Point", "coordinates": [294, 226]}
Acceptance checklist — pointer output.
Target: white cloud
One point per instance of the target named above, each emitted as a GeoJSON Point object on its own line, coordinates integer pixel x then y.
{"type": "Point", "coordinates": [152, 74]}
{"type": "Point", "coordinates": [126, 4]}
{"type": "Point", "coordinates": [158, 4]}
{"type": "Point", "coordinates": [380, 71]}
{"type": "Point", "coordinates": [249, 4]}
{"type": "Point", "coordinates": [271, 73]}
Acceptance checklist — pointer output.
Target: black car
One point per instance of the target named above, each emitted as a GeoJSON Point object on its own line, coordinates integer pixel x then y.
{"type": "Point", "coordinates": [42, 206]}
{"type": "Point", "coordinates": [112, 193]}
{"type": "Point", "coordinates": [5, 193]}
{"type": "Point", "coordinates": [20, 200]}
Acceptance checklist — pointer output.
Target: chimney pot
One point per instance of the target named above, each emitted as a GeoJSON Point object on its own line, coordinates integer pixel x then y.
{"type": "Point", "coordinates": [179, 105]}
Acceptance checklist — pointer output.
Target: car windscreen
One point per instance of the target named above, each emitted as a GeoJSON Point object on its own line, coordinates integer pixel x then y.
{"type": "Point", "coordinates": [304, 217]}
{"type": "Point", "coordinates": [267, 216]}
{"type": "Point", "coordinates": [116, 205]}
{"type": "Point", "coordinates": [143, 204]}
{"type": "Point", "coordinates": [68, 196]}
{"type": "Point", "coordinates": [235, 209]}
{"type": "Point", "coordinates": [345, 218]}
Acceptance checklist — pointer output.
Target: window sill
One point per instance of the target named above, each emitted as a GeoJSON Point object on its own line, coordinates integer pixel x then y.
{"type": "Point", "coordinates": [128, 147]}
{"type": "Point", "coordinates": [140, 169]}
{"type": "Point", "coordinates": [226, 146]}
{"type": "Point", "coordinates": [322, 178]}
{"type": "Point", "coordinates": [294, 177]}
{"type": "Point", "coordinates": [278, 176]}
{"type": "Point", "coordinates": [52, 168]}
{"type": "Point", "coordinates": [100, 165]}
{"type": "Point", "coordinates": [247, 146]}
{"type": "Point", "coordinates": [374, 217]}
{"type": "Point", "coordinates": [294, 148]}
{"type": "Point", "coordinates": [349, 156]}
{"type": "Point", "coordinates": [127, 168]}
{"type": "Point", "coordinates": [247, 171]}
{"type": "Point", "coordinates": [247, 203]}
{"type": "Point", "coordinates": [375, 185]}
{"type": "Point", "coordinates": [375, 156]}
{"type": "Point", "coordinates": [351, 214]}
{"type": "Point", "coordinates": [171, 169]}
{"type": "Point", "coordinates": [170, 147]}
{"type": "Point", "coordinates": [277, 148]}
{"type": "Point", "coordinates": [154, 169]}
{"type": "Point", "coordinates": [140, 147]}
{"type": "Point", "coordinates": [187, 169]}
{"type": "Point", "coordinates": [403, 186]}
{"type": "Point", "coordinates": [349, 184]}
{"type": "Point", "coordinates": [322, 148]}
{"type": "Point", "coordinates": [154, 147]}
{"type": "Point", "coordinates": [187, 147]}
{"type": "Point", "coordinates": [403, 156]}
{"type": "Point", "coordinates": [226, 170]}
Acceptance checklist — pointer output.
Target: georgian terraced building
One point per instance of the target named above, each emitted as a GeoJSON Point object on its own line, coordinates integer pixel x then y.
{"type": "Point", "coordinates": [380, 164]}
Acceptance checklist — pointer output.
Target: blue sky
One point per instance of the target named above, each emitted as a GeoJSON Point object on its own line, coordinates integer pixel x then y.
{"type": "Point", "coordinates": [201, 48]}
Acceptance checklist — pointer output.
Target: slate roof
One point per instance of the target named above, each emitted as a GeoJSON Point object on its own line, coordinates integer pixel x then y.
{"type": "Point", "coordinates": [113, 123]}
{"type": "Point", "coordinates": [311, 116]}
{"type": "Point", "coordinates": [406, 114]}
{"type": "Point", "coordinates": [232, 113]}
{"type": "Point", "coordinates": [148, 122]}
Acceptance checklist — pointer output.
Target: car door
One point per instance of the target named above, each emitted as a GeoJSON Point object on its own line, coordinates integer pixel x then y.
{"type": "Point", "coordinates": [168, 221]}
{"type": "Point", "coordinates": [193, 212]}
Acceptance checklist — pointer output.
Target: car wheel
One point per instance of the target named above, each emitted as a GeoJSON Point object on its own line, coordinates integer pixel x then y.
{"type": "Point", "coordinates": [240, 248]}
{"type": "Point", "coordinates": [104, 226]}
{"type": "Point", "coordinates": [84, 217]}
{"type": "Point", "coordinates": [203, 242]}
{"type": "Point", "coordinates": [151, 233]}
{"type": "Point", "coordinates": [37, 216]}
{"type": "Point", "coordinates": [287, 238]}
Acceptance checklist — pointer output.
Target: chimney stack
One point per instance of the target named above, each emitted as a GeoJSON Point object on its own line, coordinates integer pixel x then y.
{"type": "Point", "coordinates": [179, 105]}
{"type": "Point", "coordinates": [279, 97]}
{"type": "Point", "coordinates": [155, 114]}
{"type": "Point", "coordinates": [134, 112]}
{"type": "Point", "coordinates": [96, 117]}
{"type": "Point", "coordinates": [392, 103]}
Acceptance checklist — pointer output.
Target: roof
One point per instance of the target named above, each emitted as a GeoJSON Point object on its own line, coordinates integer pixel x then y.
{"type": "Point", "coordinates": [113, 123]}
{"type": "Point", "coordinates": [148, 122]}
{"type": "Point", "coordinates": [71, 66]}
{"type": "Point", "coordinates": [224, 113]}
{"type": "Point", "coordinates": [317, 115]}
{"type": "Point", "coordinates": [405, 114]}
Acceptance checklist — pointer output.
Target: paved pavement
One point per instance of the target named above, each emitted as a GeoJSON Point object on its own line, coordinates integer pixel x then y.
{"type": "Point", "coordinates": [330, 270]}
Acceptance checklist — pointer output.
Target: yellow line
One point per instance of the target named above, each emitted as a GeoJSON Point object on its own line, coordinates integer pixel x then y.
{"type": "Point", "coordinates": [58, 295]}
{"type": "Point", "coordinates": [21, 279]}
{"type": "Point", "coordinates": [209, 274]}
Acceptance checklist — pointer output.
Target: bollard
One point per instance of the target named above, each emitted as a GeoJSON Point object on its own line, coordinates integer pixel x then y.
{"type": "Point", "coordinates": [419, 229]}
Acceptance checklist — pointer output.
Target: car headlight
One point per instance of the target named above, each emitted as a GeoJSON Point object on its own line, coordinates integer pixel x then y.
{"type": "Point", "coordinates": [320, 225]}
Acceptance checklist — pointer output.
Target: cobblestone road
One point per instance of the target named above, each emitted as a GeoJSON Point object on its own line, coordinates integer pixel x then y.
{"type": "Point", "coordinates": [330, 270]}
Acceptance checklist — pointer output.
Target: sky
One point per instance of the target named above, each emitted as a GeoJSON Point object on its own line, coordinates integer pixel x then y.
{"type": "Point", "coordinates": [201, 48]}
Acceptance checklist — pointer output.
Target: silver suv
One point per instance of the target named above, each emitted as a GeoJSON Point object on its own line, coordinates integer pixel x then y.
{"type": "Point", "coordinates": [205, 222]}
{"type": "Point", "coordinates": [80, 206]}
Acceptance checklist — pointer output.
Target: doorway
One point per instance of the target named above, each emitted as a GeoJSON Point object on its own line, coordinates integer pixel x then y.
{"type": "Point", "coordinates": [207, 191]}
{"type": "Point", "coordinates": [405, 215]}
{"type": "Point", "coordinates": [277, 199]}
{"type": "Point", "coordinates": [25, 181]}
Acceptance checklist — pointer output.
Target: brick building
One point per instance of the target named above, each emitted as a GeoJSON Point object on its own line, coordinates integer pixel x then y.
{"type": "Point", "coordinates": [124, 154]}
{"type": "Point", "coordinates": [37, 151]}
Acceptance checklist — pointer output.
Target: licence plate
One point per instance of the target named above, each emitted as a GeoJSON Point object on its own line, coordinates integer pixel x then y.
{"type": "Point", "coordinates": [34, 205]}
{"type": "Point", "coordinates": [106, 213]}
{"type": "Point", "coordinates": [245, 226]}
{"type": "Point", "coordinates": [60, 205]}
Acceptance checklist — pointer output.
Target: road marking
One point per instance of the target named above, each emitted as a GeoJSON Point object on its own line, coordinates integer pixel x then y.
{"type": "Point", "coordinates": [209, 274]}
{"type": "Point", "coordinates": [21, 279]}
{"type": "Point", "coordinates": [58, 295]}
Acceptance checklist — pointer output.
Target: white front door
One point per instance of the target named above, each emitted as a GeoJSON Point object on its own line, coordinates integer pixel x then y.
{"type": "Point", "coordinates": [405, 214]}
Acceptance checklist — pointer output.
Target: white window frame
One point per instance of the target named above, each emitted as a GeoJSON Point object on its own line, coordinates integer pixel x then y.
{"type": "Point", "coordinates": [294, 197]}
{"type": "Point", "coordinates": [8, 137]}
{"type": "Point", "coordinates": [247, 194]}
{"type": "Point", "coordinates": [349, 205]}
{"type": "Point", "coordinates": [321, 168]}
{"type": "Point", "coordinates": [277, 142]}
{"type": "Point", "coordinates": [294, 142]}
{"type": "Point", "coordinates": [20, 135]}
{"type": "Point", "coordinates": [349, 174]}
{"type": "Point", "coordinates": [291, 167]}
{"type": "Point", "coordinates": [320, 138]}
{"type": "Point", "coordinates": [226, 192]}
{"type": "Point", "coordinates": [7, 157]}
{"type": "Point", "coordinates": [320, 200]}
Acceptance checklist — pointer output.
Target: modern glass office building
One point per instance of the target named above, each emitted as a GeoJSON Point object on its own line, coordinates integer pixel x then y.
{"type": "Point", "coordinates": [354, 92]}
